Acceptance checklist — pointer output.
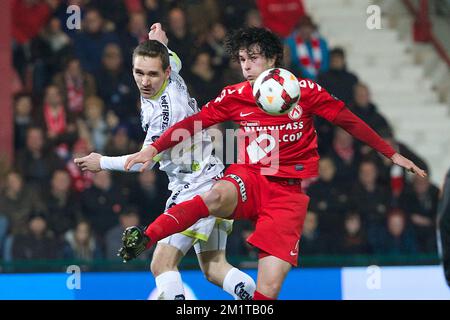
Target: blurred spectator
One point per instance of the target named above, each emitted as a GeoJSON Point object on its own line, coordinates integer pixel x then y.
{"type": "Point", "coordinates": [135, 33]}
{"type": "Point", "coordinates": [200, 15]}
{"type": "Point", "coordinates": [35, 163]}
{"type": "Point", "coordinates": [396, 238]}
{"type": "Point", "coordinates": [101, 203]}
{"type": "Point", "coordinates": [120, 144]}
{"type": "Point", "coordinates": [75, 86]}
{"type": "Point", "coordinates": [369, 198]}
{"type": "Point", "coordinates": [23, 119]}
{"type": "Point", "coordinates": [215, 47]}
{"type": "Point", "coordinates": [38, 242]}
{"type": "Point", "coordinates": [48, 52]}
{"type": "Point", "coordinates": [148, 196]}
{"type": "Point", "coordinates": [62, 206]}
{"type": "Point", "coordinates": [181, 41]}
{"type": "Point", "coordinates": [59, 125]}
{"type": "Point", "coordinates": [231, 9]}
{"type": "Point", "coordinates": [16, 83]}
{"type": "Point", "coordinates": [366, 110]}
{"type": "Point", "coordinates": [337, 80]}
{"type": "Point", "coordinates": [306, 51]}
{"type": "Point", "coordinates": [28, 17]}
{"type": "Point", "coordinates": [328, 198]}
{"type": "Point", "coordinates": [345, 156]}
{"type": "Point", "coordinates": [81, 180]}
{"type": "Point", "coordinates": [253, 19]}
{"type": "Point", "coordinates": [90, 43]}
{"type": "Point", "coordinates": [113, 241]}
{"type": "Point", "coordinates": [312, 241]}
{"type": "Point", "coordinates": [281, 16]}
{"type": "Point", "coordinates": [17, 201]}
{"type": "Point", "coordinates": [95, 128]}
{"type": "Point", "coordinates": [114, 12]}
{"type": "Point", "coordinates": [116, 84]}
{"type": "Point", "coordinates": [154, 10]}
{"type": "Point", "coordinates": [80, 244]}
{"type": "Point", "coordinates": [421, 203]}
{"type": "Point", "coordinates": [353, 239]}
{"type": "Point", "coordinates": [205, 83]}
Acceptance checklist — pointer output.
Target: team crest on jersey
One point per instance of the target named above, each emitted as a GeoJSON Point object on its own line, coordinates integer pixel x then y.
{"type": "Point", "coordinates": [296, 113]}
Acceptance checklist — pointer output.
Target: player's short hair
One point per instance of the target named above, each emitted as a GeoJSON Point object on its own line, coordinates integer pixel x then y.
{"type": "Point", "coordinates": [153, 49]}
{"type": "Point", "coordinates": [245, 38]}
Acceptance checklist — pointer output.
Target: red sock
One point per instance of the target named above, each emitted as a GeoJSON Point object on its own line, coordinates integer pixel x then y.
{"type": "Point", "coordinates": [176, 219]}
{"type": "Point", "coordinates": [259, 296]}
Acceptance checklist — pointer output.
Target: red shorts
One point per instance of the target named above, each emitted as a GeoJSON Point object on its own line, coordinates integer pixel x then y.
{"type": "Point", "coordinates": [276, 205]}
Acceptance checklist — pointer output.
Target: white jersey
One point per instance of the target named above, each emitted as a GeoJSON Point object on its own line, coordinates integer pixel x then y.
{"type": "Point", "coordinates": [191, 161]}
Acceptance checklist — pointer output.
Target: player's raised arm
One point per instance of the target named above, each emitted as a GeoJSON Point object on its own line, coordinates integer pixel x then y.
{"type": "Point", "coordinates": [158, 34]}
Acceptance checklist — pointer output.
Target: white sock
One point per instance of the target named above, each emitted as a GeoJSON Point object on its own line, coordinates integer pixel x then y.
{"type": "Point", "coordinates": [170, 286]}
{"type": "Point", "coordinates": [239, 284]}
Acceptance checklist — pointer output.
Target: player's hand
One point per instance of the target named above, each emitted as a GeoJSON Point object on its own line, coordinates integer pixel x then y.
{"type": "Point", "coordinates": [158, 34]}
{"type": "Point", "coordinates": [89, 163]}
{"type": "Point", "coordinates": [145, 156]}
{"type": "Point", "coordinates": [400, 160]}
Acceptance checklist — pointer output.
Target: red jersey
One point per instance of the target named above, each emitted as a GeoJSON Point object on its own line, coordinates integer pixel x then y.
{"type": "Point", "coordinates": [285, 145]}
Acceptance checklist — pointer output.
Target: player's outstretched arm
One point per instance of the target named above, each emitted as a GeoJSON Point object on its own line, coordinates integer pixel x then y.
{"type": "Point", "coordinates": [400, 160]}
{"type": "Point", "coordinates": [96, 162]}
{"type": "Point", "coordinates": [360, 130]}
{"type": "Point", "coordinates": [158, 34]}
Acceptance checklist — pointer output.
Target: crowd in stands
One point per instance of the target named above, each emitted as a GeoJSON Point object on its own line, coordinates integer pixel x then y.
{"type": "Point", "coordinates": [75, 94]}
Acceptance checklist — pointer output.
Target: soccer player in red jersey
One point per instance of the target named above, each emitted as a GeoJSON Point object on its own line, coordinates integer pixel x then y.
{"type": "Point", "coordinates": [265, 185]}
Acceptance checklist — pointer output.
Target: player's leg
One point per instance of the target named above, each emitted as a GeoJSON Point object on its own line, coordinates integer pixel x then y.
{"type": "Point", "coordinates": [213, 262]}
{"type": "Point", "coordinates": [164, 266]}
{"type": "Point", "coordinates": [271, 274]}
{"type": "Point", "coordinates": [283, 208]}
{"type": "Point", "coordinates": [220, 201]}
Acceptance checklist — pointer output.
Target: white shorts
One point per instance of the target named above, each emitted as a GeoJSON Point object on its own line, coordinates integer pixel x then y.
{"type": "Point", "coordinates": [207, 234]}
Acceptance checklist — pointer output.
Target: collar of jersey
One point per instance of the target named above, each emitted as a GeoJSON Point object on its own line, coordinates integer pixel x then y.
{"type": "Point", "coordinates": [160, 91]}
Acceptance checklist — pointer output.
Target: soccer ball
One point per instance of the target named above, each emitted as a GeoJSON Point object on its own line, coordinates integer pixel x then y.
{"type": "Point", "coordinates": [276, 91]}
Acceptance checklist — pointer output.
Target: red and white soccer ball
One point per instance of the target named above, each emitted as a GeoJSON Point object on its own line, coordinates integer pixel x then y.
{"type": "Point", "coordinates": [276, 91]}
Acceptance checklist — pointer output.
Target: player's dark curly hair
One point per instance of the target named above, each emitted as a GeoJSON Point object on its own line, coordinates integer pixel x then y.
{"type": "Point", "coordinates": [244, 38]}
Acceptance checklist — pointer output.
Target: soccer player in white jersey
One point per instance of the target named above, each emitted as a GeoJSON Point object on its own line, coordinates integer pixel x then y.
{"type": "Point", "coordinates": [165, 101]}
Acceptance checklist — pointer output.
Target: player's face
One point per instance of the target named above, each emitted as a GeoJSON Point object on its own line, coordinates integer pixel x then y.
{"type": "Point", "coordinates": [253, 62]}
{"type": "Point", "coordinates": [149, 75]}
